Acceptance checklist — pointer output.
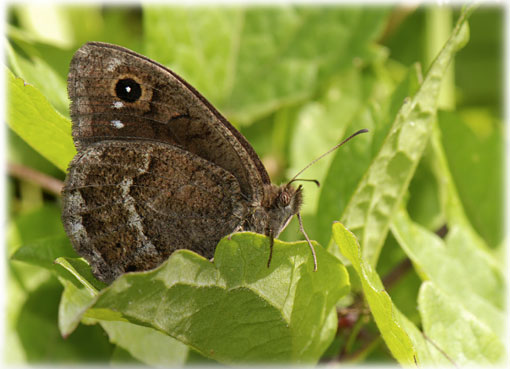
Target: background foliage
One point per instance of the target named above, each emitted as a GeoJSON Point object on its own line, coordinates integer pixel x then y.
{"type": "Point", "coordinates": [422, 192]}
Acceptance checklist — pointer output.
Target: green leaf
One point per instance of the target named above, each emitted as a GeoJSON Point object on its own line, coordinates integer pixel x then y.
{"type": "Point", "coordinates": [450, 201]}
{"type": "Point", "coordinates": [323, 123]}
{"type": "Point", "coordinates": [352, 160]}
{"type": "Point", "coordinates": [74, 301]}
{"type": "Point", "coordinates": [28, 65]}
{"type": "Point", "coordinates": [428, 354]}
{"type": "Point", "coordinates": [458, 266]}
{"type": "Point", "coordinates": [146, 344]}
{"type": "Point", "coordinates": [251, 61]}
{"type": "Point", "coordinates": [37, 224]}
{"type": "Point", "coordinates": [237, 309]}
{"type": "Point", "coordinates": [31, 116]}
{"type": "Point", "coordinates": [423, 203]}
{"type": "Point", "coordinates": [43, 252]}
{"type": "Point", "coordinates": [480, 68]}
{"type": "Point", "coordinates": [369, 210]}
{"type": "Point", "coordinates": [385, 314]}
{"type": "Point", "coordinates": [476, 151]}
{"type": "Point", "coordinates": [81, 271]}
{"type": "Point", "coordinates": [39, 336]}
{"type": "Point", "coordinates": [19, 152]}
{"type": "Point", "coordinates": [460, 335]}
{"type": "Point", "coordinates": [80, 290]}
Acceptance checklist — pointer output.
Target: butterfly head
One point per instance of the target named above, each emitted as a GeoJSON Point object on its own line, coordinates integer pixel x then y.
{"type": "Point", "coordinates": [283, 203]}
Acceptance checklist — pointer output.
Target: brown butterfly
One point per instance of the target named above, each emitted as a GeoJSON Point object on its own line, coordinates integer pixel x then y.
{"type": "Point", "coordinates": [158, 168]}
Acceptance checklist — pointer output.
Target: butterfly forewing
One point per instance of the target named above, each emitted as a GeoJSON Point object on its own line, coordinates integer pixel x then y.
{"type": "Point", "coordinates": [118, 94]}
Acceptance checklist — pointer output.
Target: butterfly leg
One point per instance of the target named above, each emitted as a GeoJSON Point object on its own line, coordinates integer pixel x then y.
{"type": "Point", "coordinates": [239, 228]}
{"type": "Point", "coordinates": [271, 244]}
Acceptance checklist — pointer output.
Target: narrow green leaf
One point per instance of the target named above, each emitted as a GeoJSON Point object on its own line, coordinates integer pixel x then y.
{"type": "Point", "coordinates": [237, 309]}
{"type": "Point", "coordinates": [460, 335]}
{"type": "Point", "coordinates": [369, 210]}
{"type": "Point", "coordinates": [81, 271]}
{"type": "Point", "coordinates": [427, 353]}
{"type": "Point", "coordinates": [458, 266]}
{"type": "Point", "coordinates": [146, 344]}
{"type": "Point", "coordinates": [351, 161]}
{"type": "Point", "coordinates": [324, 122]}
{"type": "Point", "coordinates": [32, 117]}
{"type": "Point", "coordinates": [385, 314]}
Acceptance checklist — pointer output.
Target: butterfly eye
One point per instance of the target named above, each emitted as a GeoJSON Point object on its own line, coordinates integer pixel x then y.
{"type": "Point", "coordinates": [128, 90]}
{"type": "Point", "coordinates": [285, 198]}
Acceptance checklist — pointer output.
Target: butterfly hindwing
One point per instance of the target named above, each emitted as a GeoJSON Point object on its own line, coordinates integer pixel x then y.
{"type": "Point", "coordinates": [128, 205]}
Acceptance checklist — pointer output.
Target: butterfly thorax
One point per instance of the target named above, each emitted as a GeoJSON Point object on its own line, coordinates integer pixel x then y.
{"type": "Point", "coordinates": [273, 214]}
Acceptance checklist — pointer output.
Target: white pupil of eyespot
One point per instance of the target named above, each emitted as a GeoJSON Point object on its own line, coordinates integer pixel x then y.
{"type": "Point", "coordinates": [128, 89]}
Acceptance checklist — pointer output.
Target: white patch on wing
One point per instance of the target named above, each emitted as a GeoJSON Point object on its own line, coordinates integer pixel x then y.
{"type": "Point", "coordinates": [117, 124]}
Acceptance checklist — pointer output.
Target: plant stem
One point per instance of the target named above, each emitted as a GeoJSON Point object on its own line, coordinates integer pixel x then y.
{"type": "Point", "coordinates": [27, 174]}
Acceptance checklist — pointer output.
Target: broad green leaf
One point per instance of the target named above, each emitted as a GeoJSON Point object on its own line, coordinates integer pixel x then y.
{"type": "Point", "coordinates": [31, 116]}
{"type": "Point", "coordinates": [75, 299]}
{"type": "Point", "coordinates": [461, 335]}
{"type": "Point", "coordinates": [35, 225]}
{"type": "Point", "coordinates": [385, 314]}
{"type": "Point", "coordinates": [46, 22]}
{"type": "Point", "coordinates": [459, 267]}
{"type": "Point", "coordinates": [237, 309]}
{"type": "Point", "coordinates": [489, 279]}
{"type": "Point", "coordinates": [80, 290]}
{"type": "Point", "coordinates": [146, 344]}
{"type": "Point", "coordinates": [41, 340]}
{"type": "Point", "coordinates": [19, 152]}
{"type": "Point", "coordinates": [369, 210]}
{"type": "Point", "coordinates": [22, 280]}
{"type": "Point", "coordinates": [252, 61]}
{"type": "Point", "coordinates": [450, 201]}
{"type": "Point", "coordinates": [475, 158]}
{"type": "Point", "coordinates": [34, 70]}
{"type": "Point", "coordinates": [480, 68]}
{"type": "Point", "coordinates": [351, 161]}
{"type": "Point", "coordinates": [43, 252]}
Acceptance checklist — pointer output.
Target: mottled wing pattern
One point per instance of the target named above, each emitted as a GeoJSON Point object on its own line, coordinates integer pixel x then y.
{"type": "Point", "coordinates": [127, 205]}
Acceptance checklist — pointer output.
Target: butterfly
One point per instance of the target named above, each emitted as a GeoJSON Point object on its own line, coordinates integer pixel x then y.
{"type": "Point", "coordinates": [158, 168]}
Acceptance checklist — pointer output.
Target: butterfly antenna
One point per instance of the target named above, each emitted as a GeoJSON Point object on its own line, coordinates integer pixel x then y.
{"type": "Point", "coordinates": [302, 229]}
{"type": "Point", "coordinates": [305, 180]}
{"type": "Point", "coordinates": [328, 152]}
